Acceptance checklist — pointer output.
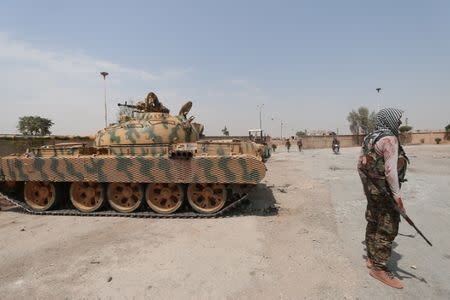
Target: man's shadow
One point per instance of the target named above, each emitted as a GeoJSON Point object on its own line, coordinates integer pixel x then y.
{"type": "Point", "coordinates": [392, 264]}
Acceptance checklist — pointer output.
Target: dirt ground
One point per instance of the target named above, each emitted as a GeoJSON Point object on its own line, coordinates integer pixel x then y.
{"type": "Point", "coordinates": [310, 248]}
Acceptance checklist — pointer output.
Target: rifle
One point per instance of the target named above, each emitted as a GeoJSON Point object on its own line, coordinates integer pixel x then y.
{"type": "Point", "coordinates": [388, 194]}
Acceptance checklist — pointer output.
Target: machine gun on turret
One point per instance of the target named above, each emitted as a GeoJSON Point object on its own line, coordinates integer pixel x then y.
{"type": "Point", "coordinates": [150, 104]}
{"type": "Point", "coordinates": [127, 105]}
{"type": "Point", "coordinates": [139, 107]}
{"type": "Point", "coordinates": [127, 110]}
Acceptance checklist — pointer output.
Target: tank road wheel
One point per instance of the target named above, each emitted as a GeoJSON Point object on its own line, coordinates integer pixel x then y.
{"type": "Point", "coordinates": [87, 196]}
{"type": "Point", "coordinates": [125, 197]}
{"type": "Point", "coordinates": [207, 198]}
{"type": "Point", "coordinates": [164, 198]}
{"type": "Point", "coordinates": [40, 195]}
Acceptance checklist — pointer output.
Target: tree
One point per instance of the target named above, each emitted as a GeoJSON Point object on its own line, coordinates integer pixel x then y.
{"type": "Point", "coordinates": [361, 121]}
{"type": "Point", "coordinates": [34, 125]}
{"type": "Point", "coordinates": [447, 132]}
{"type": "Point", "coordinates": [404, 128]}
{"type": "Point", "coordinates": [225, 131]}
{"type": "Point", "coordinates": [353, 119]}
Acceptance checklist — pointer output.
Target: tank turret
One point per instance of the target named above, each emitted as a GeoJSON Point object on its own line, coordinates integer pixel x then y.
{"type": "Point", "coordinates": [151, 123]}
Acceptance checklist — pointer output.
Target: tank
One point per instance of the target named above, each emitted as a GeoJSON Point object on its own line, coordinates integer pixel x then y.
{"type": "Point", "coordinates": [151, 163]}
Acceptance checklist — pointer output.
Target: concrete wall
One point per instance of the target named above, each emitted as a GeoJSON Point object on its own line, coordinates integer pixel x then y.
{"type": "Point", "coordinates": [428, 137]}
{"type": "Point", "coordinates": [314, 142]}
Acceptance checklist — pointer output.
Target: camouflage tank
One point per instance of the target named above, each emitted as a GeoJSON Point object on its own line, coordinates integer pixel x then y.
{"type": "Point", "coordinates": [150, 157]}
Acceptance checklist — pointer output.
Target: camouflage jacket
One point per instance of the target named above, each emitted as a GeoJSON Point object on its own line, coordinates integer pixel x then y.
{"type": "Point", "coordinates": [382, 157]}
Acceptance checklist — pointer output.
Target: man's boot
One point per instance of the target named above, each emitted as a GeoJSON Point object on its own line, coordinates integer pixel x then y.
{"type": "Point", "coordinates": [387, 278]}
{"type": "Point", "coordinates": [369, 263]}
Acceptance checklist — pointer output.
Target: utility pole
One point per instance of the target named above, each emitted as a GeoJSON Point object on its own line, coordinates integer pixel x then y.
{"type": "Point", "coordinates": [260, 120]}
{"type": "Point", "coordinates": [104, 74]}
{"type": "Point", "coordinates": [378, 105]}
{"type": "Point", "coordinates": [281, 130]}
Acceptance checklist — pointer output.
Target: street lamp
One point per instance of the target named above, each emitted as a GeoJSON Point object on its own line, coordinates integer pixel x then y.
{"type": "Point", "coordinates": [281, 127]}
{"type": "Point", "coordinates": [260, 120]}
{"type": "Point", "coordinates": [104, 74]}
{"type": "Point", "coordinates": [378, 90]}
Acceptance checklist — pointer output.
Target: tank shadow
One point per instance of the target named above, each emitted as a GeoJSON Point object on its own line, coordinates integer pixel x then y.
{"type": "Point", "coordinates": [14, 209]}
{"type": "Point", "coordinates": [260, 202]}
{"type": "Point", "coordinates": [5, 205]}
{"type": "Point", "coordinates": [392, 265]}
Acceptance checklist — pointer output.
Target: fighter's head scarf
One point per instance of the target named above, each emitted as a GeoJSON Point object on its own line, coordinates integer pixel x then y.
{"type": "Point", "coordinates": [388, 120]}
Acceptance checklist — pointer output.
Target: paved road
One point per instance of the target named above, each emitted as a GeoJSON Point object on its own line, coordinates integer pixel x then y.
{"type": "Point", "coordinates": [310, 248]}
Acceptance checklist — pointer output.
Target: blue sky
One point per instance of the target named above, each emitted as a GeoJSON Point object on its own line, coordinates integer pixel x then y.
{"type": "Point", "coordinates": [308, 62]}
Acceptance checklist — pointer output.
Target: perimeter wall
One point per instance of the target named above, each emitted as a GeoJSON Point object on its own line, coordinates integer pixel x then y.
{"type": "Point", "coordinates": [19, 144]}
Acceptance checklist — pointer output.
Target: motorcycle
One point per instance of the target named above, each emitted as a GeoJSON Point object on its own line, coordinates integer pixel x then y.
{"type": "Point", "coordinates": [335, 148]}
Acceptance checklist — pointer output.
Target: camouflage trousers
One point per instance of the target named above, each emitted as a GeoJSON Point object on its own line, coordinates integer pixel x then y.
{"type": "Point", "coordinates": [382, 223]}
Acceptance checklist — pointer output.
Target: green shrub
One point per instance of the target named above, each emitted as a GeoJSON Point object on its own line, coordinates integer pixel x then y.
{"type": "Point", "coordinates": [404, 128]}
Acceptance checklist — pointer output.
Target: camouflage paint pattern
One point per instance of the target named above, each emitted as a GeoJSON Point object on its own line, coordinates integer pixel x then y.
{"type": "Point", "coordinates": [2, 176]}
{"type": "Point", "coordinates": [243, 169]}
{"type": "Point", "coordinates": [152, 147]}
{"type": "Point", "coordinates": [149, 128]}
{"type": "Point", "coordinates": [229, 147]}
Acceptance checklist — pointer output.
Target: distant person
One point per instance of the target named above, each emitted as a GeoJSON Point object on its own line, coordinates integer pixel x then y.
{"type": "Point", "coordinates": [335, 145]}
{"type": "Point", "coordinates": [299, 145]}
{"type": "Point", "coordinates": [288, 144]}
{"type": "Point", "coordinates": [274, 147]}
{"type": "Point", "coordinates": [380, 156]}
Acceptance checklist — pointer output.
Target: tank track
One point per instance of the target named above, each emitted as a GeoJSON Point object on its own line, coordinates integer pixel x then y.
{"type": "Point", "coordinates": [236, 201]}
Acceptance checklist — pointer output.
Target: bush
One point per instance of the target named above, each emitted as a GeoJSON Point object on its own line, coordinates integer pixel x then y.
{"type": "Point", "coordinates": [437, 140]}
{"type": "Point", "coordinates": [404, 128]}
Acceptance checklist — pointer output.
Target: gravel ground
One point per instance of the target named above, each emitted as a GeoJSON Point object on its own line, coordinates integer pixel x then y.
{"type": "Point", "coordinates": [310, 247]}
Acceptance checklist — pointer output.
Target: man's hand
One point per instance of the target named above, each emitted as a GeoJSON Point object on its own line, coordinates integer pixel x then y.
{"type": "Point", "coordinates": [399, 203]}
